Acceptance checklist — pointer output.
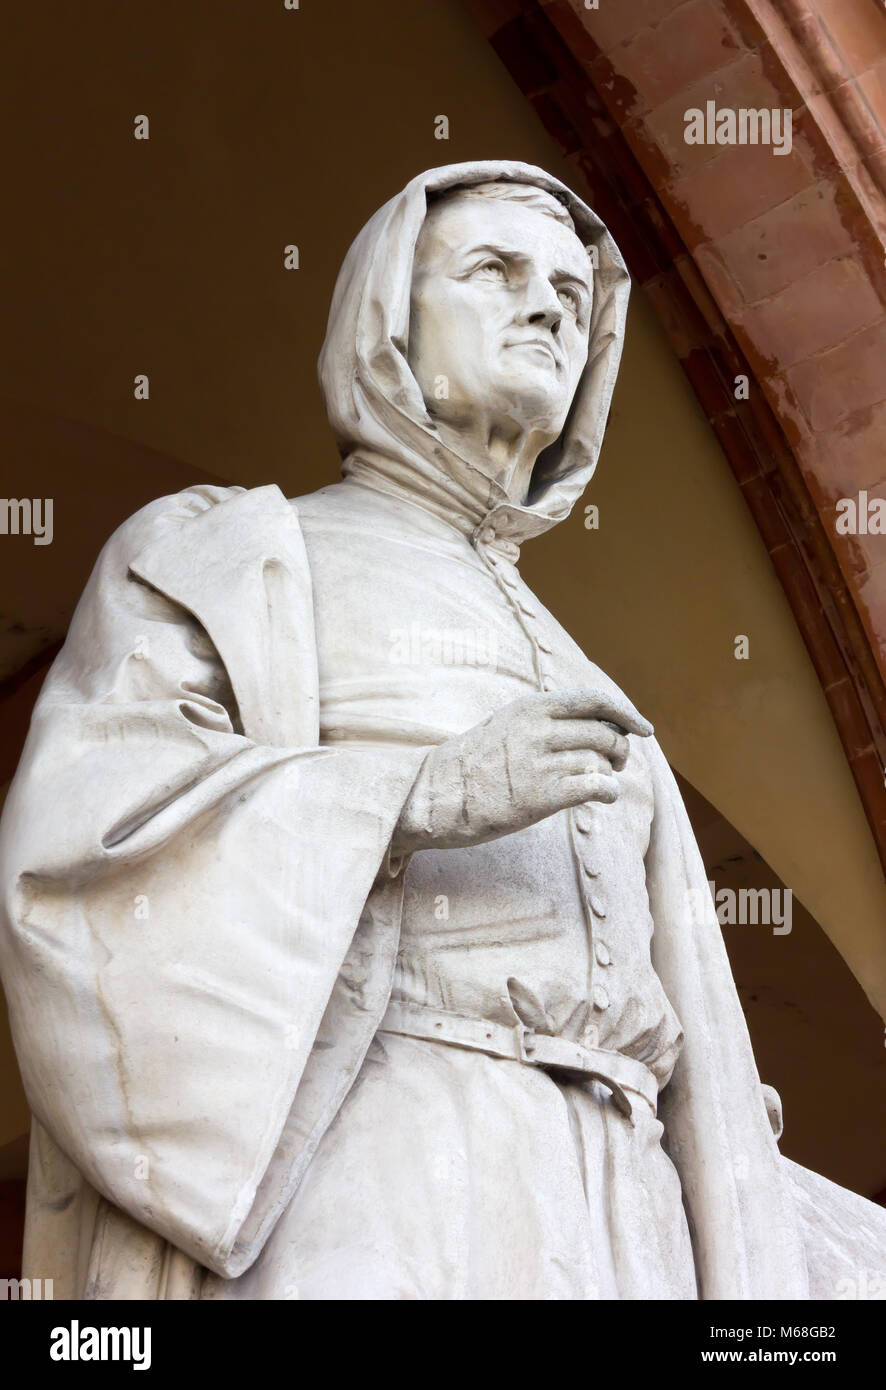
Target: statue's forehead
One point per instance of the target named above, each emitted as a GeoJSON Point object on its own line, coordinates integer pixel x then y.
{"type": "Point", "coordinates": [458, 224]}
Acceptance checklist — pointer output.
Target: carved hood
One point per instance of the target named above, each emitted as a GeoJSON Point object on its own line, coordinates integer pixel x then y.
{"type": "Point", "coordinates": [384, 432]}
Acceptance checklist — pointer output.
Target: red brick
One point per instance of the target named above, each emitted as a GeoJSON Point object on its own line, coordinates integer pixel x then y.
{"type": "Point", "coordinates": [822, 646]}
{"type": "Point", "coordinates": [849, 377]}
{"type": "Point", "coordinates": [619, 95]}
{"type": "Point", "coordinates": [785, 243]}
{"type": "Point", "coordinates": [814, 313]}
{"type": "Point", "coordinates": [849, 718]}
{"type": "Point", "coordinates": [858, 553]}
{"type": "Point", "coordinates": [820, 147]}
{"type": "Point", "coordinates": [859, 556]}
{"type": "Point", "coordinates": [740, 184]}
{"type": "Point", "coordinates": [767, 516]}
{"type": "Point", "coordinates": [858, 28]}
{"type": "Point", "coordinates": [617, 20]}
{"type": "Point", "coordinates": [851, 456]}
{"type": "Point", "coordinates": [828, 140]}
{"type": "Point", "coordinates": [868, 774]}
{"type": "Point", "coordinates": [872, 85]}
{"type": "Point", "coordinates": [876, 167]}
{"type": "Point", "coordinates": [880, 493]}
{"type": "Point", "coordinates": [827, 69]}
{"type": "Point", "coordinates": [788, 564]}
{"type": "Point", "coordinates": [872, 601]}
{"type": "Point", "coordinates": [573, 31]}
{"type": "Point", "coordinates": [647, 151]}
{"type": "Point", "coordinates": [735, 363]}
{"type": "Point", "coordinates": [743, 83]}
{"type": "Point", "coordinates": [854, 110]}
{"type": "Point", "coordinates": [743, 458]}
{"type": "Point", "coordinates": [715, 396]}
{"type": "Point", "coordinates": [689, 43]}
{"type": "Point", "coordinates": [751, 32]}
{"type": "Point", "coordinates": [792, 89]}
{"type": "Point", "coordinates": [719, 281]}
{"type": "Point", "coordinates": [786, 407]}
{"type": "Point", "coordinates": [848, 549]}
{"type": "Point", "coordinates": [668, 296]}
{"type": "Point", "coordinates": [634, 186]}
{"type": "Point", "coordinates": [700, 294]}
{"type": "Point", "coordinates": [824, 503]}
{"type": "Point", "coordinates": [769, 428]}
{"type": "Point", "coordinates": [664, 229]}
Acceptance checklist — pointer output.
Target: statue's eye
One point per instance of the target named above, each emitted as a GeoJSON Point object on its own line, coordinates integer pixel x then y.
{"type": "Point", "coordinates": [493, 269]}
{"type": "Point", "coordinates": [570, 297]}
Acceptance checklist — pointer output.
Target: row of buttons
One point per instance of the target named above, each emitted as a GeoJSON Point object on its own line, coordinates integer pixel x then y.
{"type": "Point", "coordinates": [541, 648]}
{"type": "Point", "coordinates": [597, 907]}
{"type": "Point", "coordinates": [581, 817]}
{"type": "Point", "coordinates": [582, 820]}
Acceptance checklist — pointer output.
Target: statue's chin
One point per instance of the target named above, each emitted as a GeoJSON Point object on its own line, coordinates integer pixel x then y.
{"type": "Point", "coordinates": [536, 416]}
{"type": "Point", "coordinates": [520, 406]}
{"type": "Point", "coordinates": [532, 402]}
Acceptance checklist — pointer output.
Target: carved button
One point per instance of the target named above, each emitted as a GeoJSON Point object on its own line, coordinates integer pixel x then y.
{"type": "Point", "coordinates": [543, 645]}
{"type": "Point", "coordinates": [583, 821]}
{"type": "Point", "coordinates": [598, 907]}
{"type": "Point", "coordinates": [589, 870]}
{"type": "Point", "coordinates": [524, 608]}
{"type": "Point", "coordinates": [601, 952]}
{"type": "Point", "coordinates": [508, 579]}
{"type": "Point", "coordinates": [600, 997]}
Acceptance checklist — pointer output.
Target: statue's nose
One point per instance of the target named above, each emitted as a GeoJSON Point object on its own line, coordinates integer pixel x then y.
{"type": "Point", "coordinates": [547, 319]}
{"type": "Point", "coordinates": [542, 305]}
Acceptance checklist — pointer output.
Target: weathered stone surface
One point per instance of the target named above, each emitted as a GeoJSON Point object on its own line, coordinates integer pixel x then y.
{"type": "Point", "coordinates": [357, 942]}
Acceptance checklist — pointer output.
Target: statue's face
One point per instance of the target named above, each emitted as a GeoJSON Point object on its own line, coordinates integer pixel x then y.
{"type": "Point", "coordinates": [500, 313]}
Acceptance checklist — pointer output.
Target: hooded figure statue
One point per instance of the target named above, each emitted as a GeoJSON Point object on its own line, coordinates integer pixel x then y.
{"type": "Point", "coordinates": [299, 1009]}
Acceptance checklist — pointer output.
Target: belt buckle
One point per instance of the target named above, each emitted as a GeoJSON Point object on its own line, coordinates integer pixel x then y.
{"type": "Point", "coordinates": [525, 1050]}
{"type": "Point", "coordinates": [592, 1070]}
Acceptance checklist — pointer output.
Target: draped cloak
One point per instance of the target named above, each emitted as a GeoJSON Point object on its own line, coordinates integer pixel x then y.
{"type": "Point", "coordinates": [201, 915]}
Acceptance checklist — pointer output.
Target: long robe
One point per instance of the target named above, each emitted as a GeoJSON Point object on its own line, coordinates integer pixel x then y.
{"type": "Point", "coordinates": [201, 915]}
{"type": "Point", "coordinates": [202, 923]}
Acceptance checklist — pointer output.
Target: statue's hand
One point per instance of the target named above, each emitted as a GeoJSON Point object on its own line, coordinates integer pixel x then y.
{"type": "Point", "coordinates": [525, 762]}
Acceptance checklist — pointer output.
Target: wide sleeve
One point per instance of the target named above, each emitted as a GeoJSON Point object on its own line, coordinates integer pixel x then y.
{"type": "Point", "coordinates": [738, 1201]}
{"type": "Point", "coordinates": [186, 894]}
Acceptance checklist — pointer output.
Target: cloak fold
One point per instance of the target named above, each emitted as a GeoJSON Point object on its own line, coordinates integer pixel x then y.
{"type": "Point", "coordinates": [188, 882]}
{"type": "Point", "coordinates": [745, 1233]}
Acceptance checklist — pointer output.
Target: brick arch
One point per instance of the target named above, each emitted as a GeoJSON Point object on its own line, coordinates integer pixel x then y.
{"type": "Point", "coordinates": [759, 265]}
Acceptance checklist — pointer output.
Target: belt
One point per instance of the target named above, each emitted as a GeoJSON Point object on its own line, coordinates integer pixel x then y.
{"type": "Point", "coordinates": [625, 1076]}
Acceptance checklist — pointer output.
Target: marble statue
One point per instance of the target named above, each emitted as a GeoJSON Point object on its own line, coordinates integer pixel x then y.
{"type": "Point", "coordinates": [346, 933]}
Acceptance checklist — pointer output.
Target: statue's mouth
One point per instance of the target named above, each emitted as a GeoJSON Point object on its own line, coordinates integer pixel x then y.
{"type": "Point", "coordinates": [537, 344]}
